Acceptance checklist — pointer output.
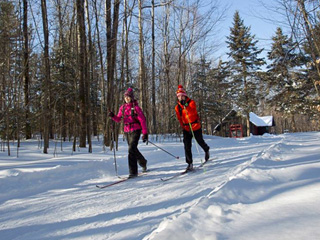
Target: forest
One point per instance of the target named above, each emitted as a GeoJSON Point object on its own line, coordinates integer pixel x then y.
{"type": "Point", "coordinates": [64, 64]}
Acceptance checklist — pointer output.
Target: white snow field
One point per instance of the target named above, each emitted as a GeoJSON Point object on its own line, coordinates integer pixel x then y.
{"type": "Point", "coordinates": [260, 187]}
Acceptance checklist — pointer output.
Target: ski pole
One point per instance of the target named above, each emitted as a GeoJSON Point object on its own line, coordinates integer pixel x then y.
{"type": "Point", "coordinates": [114, 148]}
{"type": "Point", "coordinates": [163, 149]}
{"type": "Point", "coordinates": [190, 126]}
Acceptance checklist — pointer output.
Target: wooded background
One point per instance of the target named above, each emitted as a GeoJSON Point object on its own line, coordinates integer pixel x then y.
{"type": "Point", "coordinates": [65, 63]}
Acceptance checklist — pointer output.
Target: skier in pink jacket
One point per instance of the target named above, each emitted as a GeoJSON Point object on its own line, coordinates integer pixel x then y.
{"type": "Point", "coordinates": [134, 123]}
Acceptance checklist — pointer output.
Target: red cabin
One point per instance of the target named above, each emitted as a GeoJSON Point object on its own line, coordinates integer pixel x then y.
{"type": "Point", "coordinates": [236, 131]}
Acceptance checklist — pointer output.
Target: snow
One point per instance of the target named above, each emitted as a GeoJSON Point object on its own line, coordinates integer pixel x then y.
{"type": "Point", "coordinates": [260, 187]}
{"type": "Point", "coordinates": [261, 121]}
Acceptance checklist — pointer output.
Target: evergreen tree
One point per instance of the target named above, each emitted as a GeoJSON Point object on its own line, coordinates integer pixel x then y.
{"type": "Point", "coordinates": [201, 90]}
{"type": "Point", "coordinates": [283, 59]}
{"type": "Point", "coordinates": [209, 89]}
{"type": "Point", "coordinates": [289, 83]}
{"type": "Point", "coordinates": [244, 62]}
{"type": "Point", "coordinates": [10, 72]}
{"type": "Point", "coordinates": [282, 62]}
{"type": "Point", "coordinates": [63, 78]}
{"type": "Point", "coordinates": [220, 103]}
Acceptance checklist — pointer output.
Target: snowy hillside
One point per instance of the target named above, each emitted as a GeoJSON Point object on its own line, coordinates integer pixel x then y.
{"type": "Point", "coordinates": [262, 187]}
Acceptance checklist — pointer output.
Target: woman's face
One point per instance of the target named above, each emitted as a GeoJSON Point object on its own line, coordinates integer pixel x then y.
{"type": "Point", "coordinates": [127, 99]}
{"type": "Point", "coordinates": [181, 97]}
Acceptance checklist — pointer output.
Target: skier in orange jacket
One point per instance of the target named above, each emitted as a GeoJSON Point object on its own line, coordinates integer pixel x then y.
{"type": "Point", "coordinates": [188, 117]}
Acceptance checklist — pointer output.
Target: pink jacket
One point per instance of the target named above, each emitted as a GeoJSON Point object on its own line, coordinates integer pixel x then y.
{"type": "Point", "coordinates": [132, 122]}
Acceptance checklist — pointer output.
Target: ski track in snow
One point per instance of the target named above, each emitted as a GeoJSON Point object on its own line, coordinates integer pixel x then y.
{"type": "Point", "coordinates": [227, 177]}
{"type": "Point", "coordinates": [56, 198]}
{"type": "Point", "coordinates": [218, 213]}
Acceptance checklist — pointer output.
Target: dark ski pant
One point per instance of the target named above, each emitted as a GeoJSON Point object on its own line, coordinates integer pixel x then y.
{"type": "Point", "coordinates": [187, 140]}
{"type": "Point", "coordinates": [135, 155]}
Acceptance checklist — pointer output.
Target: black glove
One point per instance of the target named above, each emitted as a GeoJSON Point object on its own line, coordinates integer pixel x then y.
{"type": "Point", "coordinates": [183, 102]}
{"type": "Point", "coordinates": [111, 114]}
{"type": "Point", "coordinates": [145, 137]}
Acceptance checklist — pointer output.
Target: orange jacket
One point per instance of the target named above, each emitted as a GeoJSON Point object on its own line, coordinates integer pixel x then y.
{"type": "Point", "coordinates": [188, 113]}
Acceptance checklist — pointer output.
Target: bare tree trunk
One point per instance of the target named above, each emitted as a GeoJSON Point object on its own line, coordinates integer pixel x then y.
{"type": "Point", "coordinates": [167, 65]}
{"type": "Point", "coordinates": [312, 41]}
{"type": "Point", "coordinates": [82, 72]}
{"type": "Point", "coordinates": [46, 114]}
{"type": "Point", "coordinates": [127, 44]}
{"type": "Point", "coordinates": [153, 80]}
{"type": "Point", "coordinates": [26, 69]}
{"type": "Point", "coordinates": [102, 81]}
{"type": "Point", "coordinates": [245, 92]}
{"type": "Point", "coordinates": [63, 127]}
{"type": "Point", "coordinates": [19, 88]}
{"type": "Point", "coordinates": [88, 80]}
{"type": "Point", "coordinates": [114, 37]}
{"type": "Point", "coordinates": [7, 134]}
{"type": "Point", "coordinates": [7, 101]}
{"type": "Point", "coordinates": [112, 32]}
{"type": "Point", "coordinates": [293, 123]}
{"type": "Point", "coordinates": [141, 59]}
{"type": "Point", "coordinates": [123, 46]}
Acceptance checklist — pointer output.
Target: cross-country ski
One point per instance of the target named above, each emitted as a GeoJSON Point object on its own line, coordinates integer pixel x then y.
{"type": "Point", "coordinates": [187, 171]}
{"type": "Point", "coordinates": [120, 180]}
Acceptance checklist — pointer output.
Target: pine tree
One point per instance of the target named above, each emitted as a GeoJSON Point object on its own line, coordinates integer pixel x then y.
{"type": "Point", "coordinates": [10, 73]}
{"type": "Point", "coordinates": [244, 62]}
{"type": "Point", "coordinates": [201, 89]}
{"type": "Point", "coordinates": [283, 59]}
{"type": "Point", "coordinates": [289, 84]}
{"type": "Point", "coordinates": [219, 103]}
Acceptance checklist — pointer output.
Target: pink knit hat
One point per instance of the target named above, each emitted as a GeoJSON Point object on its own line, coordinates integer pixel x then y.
{"type": "Point", "coordinates": [181, 91]}
{"type": "Point", "coordinates": [129, 93]}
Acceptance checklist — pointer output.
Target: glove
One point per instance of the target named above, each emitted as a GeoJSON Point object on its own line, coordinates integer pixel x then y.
{"type": "Point", "coordinates": [145, 137]}
{"type": "Point", "coordinates": [111, 114]}
{"type": "Point", "coordinates": [183, 102]}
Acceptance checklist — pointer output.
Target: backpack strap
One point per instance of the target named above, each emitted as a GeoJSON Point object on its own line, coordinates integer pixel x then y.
{"type": "Point", "coordinates": [180, 108]}
{"type": "Point", "coordinates": [123, 108]}
{"type": "Point", "coordinates": [133, 110]}
{"type": "Point", "coordinates": [133, 113]}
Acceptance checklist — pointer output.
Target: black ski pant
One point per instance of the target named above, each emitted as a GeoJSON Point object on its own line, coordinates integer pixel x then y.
{"type": "Point", "coordinates": [135, 155]}
{"type": "Point", "coordinates": [187, 140]}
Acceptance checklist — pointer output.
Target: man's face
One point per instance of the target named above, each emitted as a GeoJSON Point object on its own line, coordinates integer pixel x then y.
{"type": "Point", "coordinates": [181, 97]}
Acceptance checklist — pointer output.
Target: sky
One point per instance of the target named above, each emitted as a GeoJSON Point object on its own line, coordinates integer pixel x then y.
{"type": "Point", "coordinates": [258, 187]}
{"type": "Point", "coordinates": [254, 15]}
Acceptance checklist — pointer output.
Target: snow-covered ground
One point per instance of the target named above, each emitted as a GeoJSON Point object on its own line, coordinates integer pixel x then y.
{"type": "Point", "coordinates": [261, 187]}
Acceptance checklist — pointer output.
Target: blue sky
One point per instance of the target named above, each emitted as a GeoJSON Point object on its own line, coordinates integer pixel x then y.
{"type": "Point", "coordinates": [253, 15]}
